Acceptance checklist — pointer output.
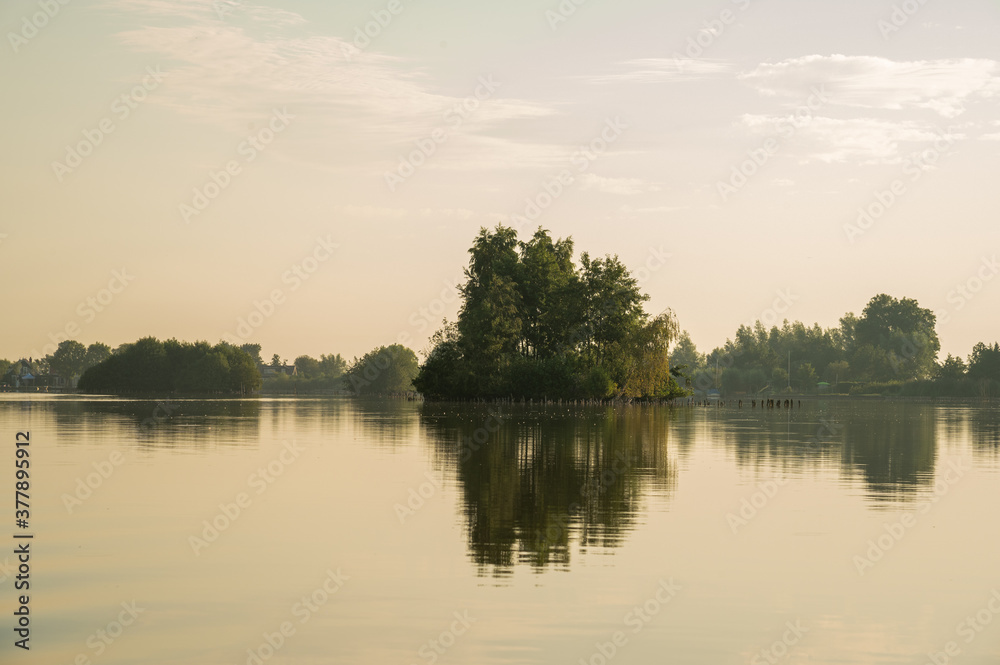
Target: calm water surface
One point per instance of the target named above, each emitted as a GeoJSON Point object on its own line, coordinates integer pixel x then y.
{"type": "Point", "coordinates": [404, 533]}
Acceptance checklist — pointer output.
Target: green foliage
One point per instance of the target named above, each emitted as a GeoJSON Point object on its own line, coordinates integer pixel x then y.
{"type": "Point", "coordinates": [312, 376]}
{"type": "Point", "coordinates": [69, 359]}
{"type": "Point", "coordinates": [685, 357]}
{"type": "Point", "coordinates": [952, 369]}
{"type": "Point", "coordinates": [837, 371]}
{"type": "Point", "coordinates": [254, 351]}
{"type": "Point", "coordinates": [806, 378]}
{"type": "Point", "coordinates": [307, 367]}
{"type": "Point", "coordinates": [599, 384]}
{"type": "Point", "coordinates": [387, 370]}
{"type": "Point", "coordinates": [532, 324]}
{"type": "Point", "coordinates": [984, 362]}
{"type": "Point", "coordinates": [883, 388]}
{"type": "Point", "coordinates": [152, 366]}
{"type": "Point", "coordinates": [332, 366]}
{"type": "Point", "coordinates": [893, 340]}
{"type": "Point", "coordinates": [96, 353]}
{"type": "Point", "coordinates": [902, 331]}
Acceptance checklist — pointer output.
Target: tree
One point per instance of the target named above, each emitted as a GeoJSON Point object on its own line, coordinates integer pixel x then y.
{"type": "Point", "coordinates": [445, 372]}
{"type": "Point", "coordinates": [904, 332]}
{"type": "Point", "coordinates": [532, 324]}
{"type": "Point", "coordinates": [685, 357]}
{"type": "Point", "coordinates": [307, 367]}
{"type": "Point", "coordinates": [151, 366]}
{"type": "Point", "coordinates": [848, 324]}
{"type": "Point", "coordinates": [984, 362]}
{"type": "Point", "coordinates": [244, 377]}
{"type": "Point", "coordinates": [386, 370]}
{"type": "Point", "coordinates": [646, 359]}
{"type": "Point", "coordinates": [254, 351]}
{"type": "Point", "coordinates": [871, 363]}
{"type": "Point", "coordinates": [838, 371]}
{"type": "Point", "coordinates": [613, 306]}
{"type": "Point", "coordinates": [209, 373]}
{"type": "Point", "coordinates": [546, 285]}
{"type": "Point", "coordinates": [96, 353]}
{"type": "Point", "coordinates": [276, 361]}
{"type": "Point", "coordinates": [69, 359]}
{"type": "Point", "coordinates": [489, 321]}
{"type": "Point", "coordinates": [332, 366]}
{"type": "Point", "coordinates": [806, 377]}
{"type": "Point", "coordinates": [952, 369]}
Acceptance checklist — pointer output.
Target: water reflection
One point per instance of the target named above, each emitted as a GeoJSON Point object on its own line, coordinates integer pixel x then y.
{"type": "Point", "coordinates": [539, 486]}
{"type": "Point", "coordinates": [385, 422]}
{"type": "Point", "coordinates": [538, 483]}
{"type": "Point", "coordinates": [150, 423]}
{"type": "Point", "coordinates": [984, 425]}
{"type": "Point", "coordinates": [890, 446]}
{"type": "Point", "coordinates": [893, 446]}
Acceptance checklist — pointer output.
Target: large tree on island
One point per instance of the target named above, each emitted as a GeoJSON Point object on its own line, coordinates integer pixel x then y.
{"type": "Point", "coordinates": [489, 322]}
{"type": "Point", "coordinates": [533, 324]}
{"type": "Point", "coordinates": [895, 339]}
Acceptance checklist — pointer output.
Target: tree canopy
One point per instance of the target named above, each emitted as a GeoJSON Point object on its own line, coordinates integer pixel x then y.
{"type": "Point", "coordinates": [149, 365]}
{"type": "Point", "coordinates": [534, 324]}
{"type": "Point", "coordinates": [386, 370]}
{"type": "Point", "coordinates": [892, 342]}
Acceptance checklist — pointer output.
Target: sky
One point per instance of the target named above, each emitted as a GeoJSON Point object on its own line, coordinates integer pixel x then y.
{"type": "Point", "coordinates": [310, 175]}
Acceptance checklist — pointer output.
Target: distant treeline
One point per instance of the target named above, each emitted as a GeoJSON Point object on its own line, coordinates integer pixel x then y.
{"type": "Point", "coordinates": [891, 348]}
{"type": "Point", "coordinates": [70, 359]}
{"type": "Point", "coordinates": [385, 370]}
{"type": "Point", "coordinates": [151, 366]}
{"type": "Point", "coordinates": [533, 324]}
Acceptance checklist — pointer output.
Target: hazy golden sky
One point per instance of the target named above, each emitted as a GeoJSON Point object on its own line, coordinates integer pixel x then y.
{"type": "Point", "coordinates": [170, 168]}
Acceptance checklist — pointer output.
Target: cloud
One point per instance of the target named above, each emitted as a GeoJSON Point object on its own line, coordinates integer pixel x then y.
{"type": "Point", "coordinates": [227, 62]}
{"type": "Point", "coordinates": [197, 10]}
{"type": "Point", "coordinates": [943, 86]}
{"type": "Point", "coordinates": [650, 70]}
{"type": "Point", "coordinates": [838, 140]}
{"type": "Point", "coordinates": [623, 186]}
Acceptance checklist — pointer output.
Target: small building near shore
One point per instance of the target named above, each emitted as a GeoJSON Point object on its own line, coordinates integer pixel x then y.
{"type": "Point", "coordinates": [269, 371]}
{"type": "Point", "coordinates": [23, 375]}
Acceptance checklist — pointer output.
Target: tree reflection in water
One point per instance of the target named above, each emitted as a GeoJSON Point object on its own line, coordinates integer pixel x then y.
{"type": "Point", "coordinates": [538, 483]}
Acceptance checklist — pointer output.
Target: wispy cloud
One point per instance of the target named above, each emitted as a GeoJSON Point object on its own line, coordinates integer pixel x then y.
{"type": "Point", "coordinates": [663, 69]}
{"type": "Point", "coordinates": [869, 140]}
{"type": "Point", "coordinates": [623, 186]}
{"type": "Point", "coordinates": [227, 69]}
{"type": "Point", "coordinates": [943, 86]}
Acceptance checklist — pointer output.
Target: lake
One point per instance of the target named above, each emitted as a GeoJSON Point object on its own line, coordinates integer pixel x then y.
{"type": "Point", "coordinates": [332, 530]}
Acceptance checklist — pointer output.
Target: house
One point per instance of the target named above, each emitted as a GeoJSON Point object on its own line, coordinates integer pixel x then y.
{"type": "Point", "coordinates": [24, 375]}
{"type": "Point", "coordinates": [269, 371]}
{"type": "Point", "coordinates": [21, 374]}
